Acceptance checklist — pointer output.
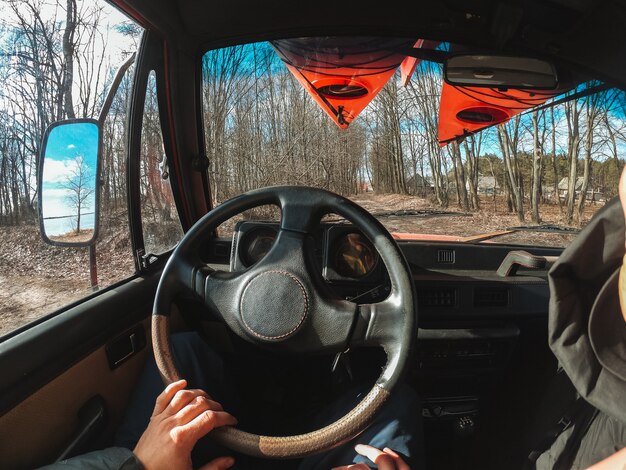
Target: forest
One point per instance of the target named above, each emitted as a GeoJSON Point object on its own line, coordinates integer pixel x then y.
{"type": "Point", "coordinates": [57, 60]}
{"type": "Point", "coordinates": [262, 128]}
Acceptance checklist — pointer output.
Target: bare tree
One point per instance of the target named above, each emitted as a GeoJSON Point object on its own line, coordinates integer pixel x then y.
{"type": "Point", "coordinates": [508, 136]}
{"type": "Point", "coordinates": [572, 113]}
{"type": "Point", "coordinates": [81, 187]}
{"type": "Point", "coordinates": [537, 170]}
{"type": "Point", "coordinates": [459, 176]}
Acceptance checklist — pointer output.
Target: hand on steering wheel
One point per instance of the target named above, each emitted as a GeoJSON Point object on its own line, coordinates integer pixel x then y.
{"type": "Point", "coordinates": [180, 418]}
{"type": "Point", "coordinates": [386, 459]}
{"type": "Point", "coordinates": [282, 303]}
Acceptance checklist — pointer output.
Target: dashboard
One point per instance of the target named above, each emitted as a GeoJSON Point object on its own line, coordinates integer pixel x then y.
{"type": "Point", "coordinates": [452, 280]}
{"type": "Point", "coordinates": [482, 329]}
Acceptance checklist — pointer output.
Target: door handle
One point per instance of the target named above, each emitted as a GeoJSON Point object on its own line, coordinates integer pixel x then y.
{"type": "Point", "coordinates": [125, 346]}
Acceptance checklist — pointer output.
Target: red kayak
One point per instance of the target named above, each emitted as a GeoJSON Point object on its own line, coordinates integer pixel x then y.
{"type": "Point", "coordinates": [342, 74]}
{"type": "Point", "coordinates": [465, 110]}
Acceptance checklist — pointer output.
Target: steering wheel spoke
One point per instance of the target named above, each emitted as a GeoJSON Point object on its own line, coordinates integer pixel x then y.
{"type": "Point", "coordinates": [379, 324]}
{"type": "Point", "coordinates": [299, 214]}
{"type": "Point", "coordinates": [217, 290]}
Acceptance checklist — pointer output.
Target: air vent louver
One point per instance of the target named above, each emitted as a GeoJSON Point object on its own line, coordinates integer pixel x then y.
{"type": "Point", "coordinates": [491, 297]}
{"type": "Point", "coordinates": [445, 256]}
{"type": "Point", "coordinates": [441, 297]}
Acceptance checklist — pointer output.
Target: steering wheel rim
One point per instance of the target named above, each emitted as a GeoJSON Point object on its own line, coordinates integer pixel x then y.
{"type": "Point", "coordinates": [391, 323]}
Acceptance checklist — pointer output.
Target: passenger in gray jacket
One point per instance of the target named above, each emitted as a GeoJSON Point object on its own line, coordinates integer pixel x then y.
{"type": "Point", "coordinates": [587, 333]}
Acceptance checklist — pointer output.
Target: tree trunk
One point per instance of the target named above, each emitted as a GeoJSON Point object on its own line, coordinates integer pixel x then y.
{"type": "Point", "coordinates": [572, 113]}
{"type": "Point", "coordinates": [68, 58]}
{"type": "Point", "coordinates": [512, 176]}
{"type": "Point", "coordinates": [459, 175]}
{"type": "Point", "coordinates": [536, 183]}
{"type": "Point", "coordinates": [554, 163]}
{"type": "Point", "coordinates": [472, 169]}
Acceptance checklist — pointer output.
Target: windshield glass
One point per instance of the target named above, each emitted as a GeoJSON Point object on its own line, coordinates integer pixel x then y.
{"type": "Point", "coordinates": [372, 119]}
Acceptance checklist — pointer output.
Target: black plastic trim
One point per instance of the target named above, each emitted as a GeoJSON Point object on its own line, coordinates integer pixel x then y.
{"type": "Point", "coordinates": [134, 148]}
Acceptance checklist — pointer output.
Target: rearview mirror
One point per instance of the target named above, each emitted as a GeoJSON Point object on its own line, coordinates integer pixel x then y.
{"type": "Point", "coordinates": [68, 182]}
{"type": "Point", "coordinates": [500, 72]}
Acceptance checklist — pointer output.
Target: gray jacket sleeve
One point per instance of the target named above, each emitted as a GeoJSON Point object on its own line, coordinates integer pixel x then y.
{"type": "Point", "coordinates": [113, 458]}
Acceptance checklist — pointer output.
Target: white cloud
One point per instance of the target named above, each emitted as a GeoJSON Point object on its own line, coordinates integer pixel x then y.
{"type": "Point", "coordinates": [71, 146]}
{"type": "Point", "coordinates": [58, 171]}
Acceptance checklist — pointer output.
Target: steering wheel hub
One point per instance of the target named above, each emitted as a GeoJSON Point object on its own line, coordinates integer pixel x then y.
{"type": "Point", "coordinates": [274, 305]}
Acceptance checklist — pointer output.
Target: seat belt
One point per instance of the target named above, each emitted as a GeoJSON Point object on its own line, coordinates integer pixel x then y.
{"type": "Point", "coordinates": [551, 434]}
{"type": "Point", "coordinates": [580, 415]}
{"type": "Point", "coordinates": [586, 414]}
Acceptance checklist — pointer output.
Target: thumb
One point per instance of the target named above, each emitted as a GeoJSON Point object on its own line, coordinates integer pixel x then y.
{"type": "Point", "coordinates": [221, 463]}
{"type": "Point", "coordinates": [622, 190]}
{"type": "Point", "coordinates": [622, 274]}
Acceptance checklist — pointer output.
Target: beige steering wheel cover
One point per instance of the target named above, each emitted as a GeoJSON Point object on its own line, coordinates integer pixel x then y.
{"type": "Point", "coordinates": [163, 349]}
{"type": "Point", "coordinates": [301, 445]}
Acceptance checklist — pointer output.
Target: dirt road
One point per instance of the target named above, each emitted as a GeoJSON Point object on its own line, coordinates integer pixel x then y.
{"type": "Point", "coordinates": [24, 299]}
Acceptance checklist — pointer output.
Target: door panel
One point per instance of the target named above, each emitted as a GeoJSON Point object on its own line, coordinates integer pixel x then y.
{"type": "Point", "coordinates": [51, 370]}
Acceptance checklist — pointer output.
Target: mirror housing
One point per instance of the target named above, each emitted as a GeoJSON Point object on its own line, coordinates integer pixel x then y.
{"type": "Point", "coordinates": [499, 71]}
{"type": "Point", "coordinates": [68, 182]}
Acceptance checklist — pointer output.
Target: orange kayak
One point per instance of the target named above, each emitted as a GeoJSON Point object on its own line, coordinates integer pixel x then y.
{"type": "Point", "coordinates": [409, 64]}
{"type": "Point", "coordinates": [342, 74]}
{"type": "Point", "coordinates": [465, 110]}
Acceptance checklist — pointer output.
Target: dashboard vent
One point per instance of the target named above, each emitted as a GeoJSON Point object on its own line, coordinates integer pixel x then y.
{"type": "Point", "coordinates": [440, 297]}
{"type": "Point", "coordinates": [445, 256]}
{"type": "Point", "coordinates": [491, 297]}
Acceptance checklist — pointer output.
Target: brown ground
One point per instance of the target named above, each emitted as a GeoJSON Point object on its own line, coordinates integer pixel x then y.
{"type": "Point", "coordinates": [493, 216]}
{"type": "Point", "coordinates": [73, 237]}
{"type": "Point", "coordinates": [36, 278]}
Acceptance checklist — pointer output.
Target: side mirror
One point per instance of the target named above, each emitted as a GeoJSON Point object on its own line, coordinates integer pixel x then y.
{"type": "Point", "coordinates": [497, 71]}
{"type": "Point", "coordinates": [69, 171]}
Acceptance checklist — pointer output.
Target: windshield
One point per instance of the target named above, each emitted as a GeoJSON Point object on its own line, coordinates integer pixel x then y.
{"type": "Point", "coordinates": [372, 119]}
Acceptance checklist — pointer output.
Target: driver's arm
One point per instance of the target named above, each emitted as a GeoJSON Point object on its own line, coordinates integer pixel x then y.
{"type": "Point", "coordinates": [180, 418]}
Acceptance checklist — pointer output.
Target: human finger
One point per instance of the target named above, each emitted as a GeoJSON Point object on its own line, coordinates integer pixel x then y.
{"type": "Point", "coordinates": [354, 466]}
{"type": "Point", "coordinates": [199, 391]}
{"type": "Point", "coordinates": [400, 463]}
{"type": "Point", "coordinates": [206, 421]}
{"type": "Point", "coordinates": [382, 460]}
{"type": "Point", "coordinates": [622, 190]}
{"type": "Point", "coordinates": [166, 396]}
{"type": "Point", "coordinates": [220, 463]}
{"type": "Point", "coordinates": [182, 398]}
{"type": "Point", "coordinates": [194, 408]}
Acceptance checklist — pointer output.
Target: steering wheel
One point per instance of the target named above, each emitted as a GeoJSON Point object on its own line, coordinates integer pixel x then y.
{"type": "Point", "coordinates": [282, 303]}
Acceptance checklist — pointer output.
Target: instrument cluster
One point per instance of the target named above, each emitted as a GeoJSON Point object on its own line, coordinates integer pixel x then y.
{"type": "Point", "coordinates": [342, 252]}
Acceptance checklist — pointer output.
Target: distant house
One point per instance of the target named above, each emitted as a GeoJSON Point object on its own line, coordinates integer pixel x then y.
{"type": "Point", "coordinates": [593, 194]}
{"type": "Point", "coordinates": [418, 184]}
{"type": "Point", "coordinates": [487, 185]}
{"type": "Point", "coordinates": [547, 192]}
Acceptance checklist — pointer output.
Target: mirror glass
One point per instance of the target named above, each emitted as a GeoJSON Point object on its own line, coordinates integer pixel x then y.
{"type": "Point", "coordinates": [500, 71]}
{"type": "Point", "coordinates": [68, 183]}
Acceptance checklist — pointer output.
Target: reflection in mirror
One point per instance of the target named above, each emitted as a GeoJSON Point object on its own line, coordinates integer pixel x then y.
{"type": "Point", "coordinates": [68, 183]}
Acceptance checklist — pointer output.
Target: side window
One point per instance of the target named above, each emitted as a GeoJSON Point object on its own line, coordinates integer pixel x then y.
{"type": "Point", "coordinates": [160, 222]}
{"type": "Point", "coordinates": [36, 278]}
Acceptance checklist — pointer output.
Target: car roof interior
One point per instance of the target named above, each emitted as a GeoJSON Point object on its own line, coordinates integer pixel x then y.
{"type": "Point", "coordinates": [584, 33]}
